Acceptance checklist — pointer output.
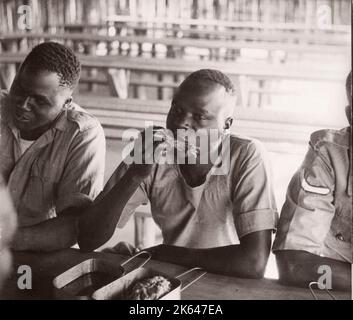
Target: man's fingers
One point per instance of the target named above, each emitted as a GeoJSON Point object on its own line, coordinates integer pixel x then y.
{"type": "Point", "coordinates": [146, 145]}
{"type": "Point", "coordinates": [123, 247]}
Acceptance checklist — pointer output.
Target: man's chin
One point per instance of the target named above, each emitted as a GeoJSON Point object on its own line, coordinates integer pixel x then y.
{"type": "Point", "coordinates": [23, 125]}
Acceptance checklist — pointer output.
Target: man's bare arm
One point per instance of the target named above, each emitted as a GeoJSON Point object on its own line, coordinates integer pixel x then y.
{"type": "Point", "coordinates": [99, 221]}
{"type": "Point", "coordinates": [246, 260]}
{"type": "Point", "coordinates": [299, 268]}
{"type": "Point", "coordinates": [54, 234]}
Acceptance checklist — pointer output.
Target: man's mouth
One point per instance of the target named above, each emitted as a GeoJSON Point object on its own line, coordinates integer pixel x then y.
{"type": "Point", "coordinates": [179, 141]}
{"type": "Point", "coordinates": [21, 117]}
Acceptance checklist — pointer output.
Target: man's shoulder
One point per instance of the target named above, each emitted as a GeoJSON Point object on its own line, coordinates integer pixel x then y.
{"type": "Point", "coordinates": [330, 138]}
{"type": "Point", "coordinates": [240, 140]}
{"type": "Point", "coordinates": [245, 144]}
{"type": "Point", "coordinates": [82, 118]}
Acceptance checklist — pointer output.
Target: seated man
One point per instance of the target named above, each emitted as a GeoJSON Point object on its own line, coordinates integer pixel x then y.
{"type": "Point", "coordinates": [219, 220]}
{"type": "Point", "coordinates": [52, 151]}
{"type": "Point", "coordinates": [7, 228]}
{"type": "Point", "coordinates": [315, 226]}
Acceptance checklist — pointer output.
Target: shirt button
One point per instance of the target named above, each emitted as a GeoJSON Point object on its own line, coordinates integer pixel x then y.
{"type": "Point", "coordinates": [339, 237]}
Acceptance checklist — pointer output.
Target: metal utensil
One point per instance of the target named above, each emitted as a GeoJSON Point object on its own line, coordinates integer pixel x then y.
{"type": "Point", "coordinates": [82, 280]}
{"type": "Point", "coordinates": [117, 290]}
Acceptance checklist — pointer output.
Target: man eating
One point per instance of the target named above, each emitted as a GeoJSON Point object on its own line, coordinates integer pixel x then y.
{"type": "Point", "coordinates": [219, 214]}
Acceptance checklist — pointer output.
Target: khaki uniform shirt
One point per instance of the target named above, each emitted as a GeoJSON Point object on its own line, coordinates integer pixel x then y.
{"type": "Point", "coordinates": [232, 205]}
{"type": "Point", "coordinates": [317, 214]}
{"type": "Point", "coordinates": [63, 168]}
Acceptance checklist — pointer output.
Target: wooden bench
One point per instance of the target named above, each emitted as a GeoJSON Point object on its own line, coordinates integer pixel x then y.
{"type": "Point", "coordinates": [176, 66]}
{"type": "Point", "coordinates": [202, 27]}
{"type": "Point", "coordinates": [166, 74]}
{"type": "Point", "coordinates": [218, 29]}
{"type": "Point", "coordinates": [180, 43]}
{"type": "Point", "coordinates": [118, 115]}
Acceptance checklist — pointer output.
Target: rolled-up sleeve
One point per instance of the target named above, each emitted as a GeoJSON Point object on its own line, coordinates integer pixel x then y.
{"type": "Point", "coordinates": [308, 210]}
{"type": "Point", "coordinates": [254, 206]}
{"type": "Point", "coordinates": [83, 175]}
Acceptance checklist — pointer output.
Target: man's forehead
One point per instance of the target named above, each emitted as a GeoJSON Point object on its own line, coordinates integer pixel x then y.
{"type": "Point", "coordinates": [204, 96]}
{"type": "Point", "coordinates": [39, 81]}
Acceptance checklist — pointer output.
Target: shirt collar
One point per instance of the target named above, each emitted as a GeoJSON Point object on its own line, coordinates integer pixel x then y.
{"type": "Point", "coordinates": [221, 164]}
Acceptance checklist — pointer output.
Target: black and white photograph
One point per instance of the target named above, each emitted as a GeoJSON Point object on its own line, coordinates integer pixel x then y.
{"type": "Point", "coordinates": [175, 150]}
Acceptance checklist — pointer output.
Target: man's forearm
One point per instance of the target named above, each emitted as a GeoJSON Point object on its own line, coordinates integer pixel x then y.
{"type": "Point", "coordinates": [299, 268]}
{"type": "Point", "coordinates": [54, 234]}
{"type": "Point", "coordinates": [99, 221]}
{"type": "Point", "coordinates": [231, 260]}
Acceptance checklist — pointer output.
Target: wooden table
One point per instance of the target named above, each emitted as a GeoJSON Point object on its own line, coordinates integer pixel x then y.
{"type": "Point", "coordinates": [211, 286]}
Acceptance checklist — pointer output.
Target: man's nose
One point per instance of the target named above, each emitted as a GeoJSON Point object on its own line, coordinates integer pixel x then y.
{"type": "Point", "coordinates": [24, 104]}
{"type": "Point", "coordinates": [186, 122]}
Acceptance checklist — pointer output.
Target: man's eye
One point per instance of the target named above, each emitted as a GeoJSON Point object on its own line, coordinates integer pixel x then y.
{"type": "Point", "coordinates": [178, 110]}
{"type": "Point", "coordinates": [199, 117]}
{"type": "Point", "coordinates": [40, 101]}
{"type": "Point", "coordinates": [17, 99]}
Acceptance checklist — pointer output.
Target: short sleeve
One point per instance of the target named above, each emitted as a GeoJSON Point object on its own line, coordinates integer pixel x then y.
{"type": "Point", "coordinates": [308, 210]}
{"type": "Point", "coordinates": [83, 175]}
{"type": "Point", "coordinates": [254, 206]}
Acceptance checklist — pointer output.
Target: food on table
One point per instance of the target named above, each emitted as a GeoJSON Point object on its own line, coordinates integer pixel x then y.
{"type": "Point", "coordinates": [151, 288]}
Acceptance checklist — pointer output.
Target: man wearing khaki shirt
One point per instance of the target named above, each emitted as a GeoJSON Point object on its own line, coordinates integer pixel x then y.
{"type": "Point", "coordinates": [315, 226]}
{"type": "Point", "coordinates": [218, 214]}
{"type": "Point", "coordinates": [52, 151]}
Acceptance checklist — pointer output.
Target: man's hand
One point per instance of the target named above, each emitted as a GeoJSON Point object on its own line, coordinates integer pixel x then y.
{"type": "Point", "coordinates": [123, 248]}
{"type": "Point", "coordinates": [144, 152]}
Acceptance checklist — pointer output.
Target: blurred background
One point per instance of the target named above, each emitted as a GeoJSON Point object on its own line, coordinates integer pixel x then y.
{"type": "Point", "coordinates": [288, 58]}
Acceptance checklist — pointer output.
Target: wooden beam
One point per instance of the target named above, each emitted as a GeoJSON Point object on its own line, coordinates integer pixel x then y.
{"type": "Point", "coordinates": [176, 66]}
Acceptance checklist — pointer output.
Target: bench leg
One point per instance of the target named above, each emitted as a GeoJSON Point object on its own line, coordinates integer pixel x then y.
{"type": "Point", "coordinates": [144, 232]}
{"type": "Point", "coordinates": [118, 81]}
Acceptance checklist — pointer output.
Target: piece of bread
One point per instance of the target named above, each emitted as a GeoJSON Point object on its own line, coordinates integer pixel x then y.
{"type": "Point", "coordinates": [151, 288]}
{"type": "Point", "coordinates": [180, 143]}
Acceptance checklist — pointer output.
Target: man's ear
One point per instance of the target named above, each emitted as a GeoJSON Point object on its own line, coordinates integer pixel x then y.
{"type": "Point", "coordinates": [228, 123]}
{"type": "Point", "coordinates": [349, 114]}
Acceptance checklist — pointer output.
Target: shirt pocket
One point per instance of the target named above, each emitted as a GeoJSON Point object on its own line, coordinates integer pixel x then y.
{"type": "Point", "coordinates": [39, 197]}
{"type": "Point", "coordinates": [342, 221]}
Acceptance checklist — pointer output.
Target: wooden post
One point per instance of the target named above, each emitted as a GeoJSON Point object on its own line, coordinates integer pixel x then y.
{"type": "Point", "coordinates": [144, 231]}
{"type": "Point", "coordinates": [90, 49]}
{"type": "Point", "coordinates": [9, 71]}
{"type": "Point", "coordinates": [167, 92]}
{"type": "Point", "coordinates": [118, 80]}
